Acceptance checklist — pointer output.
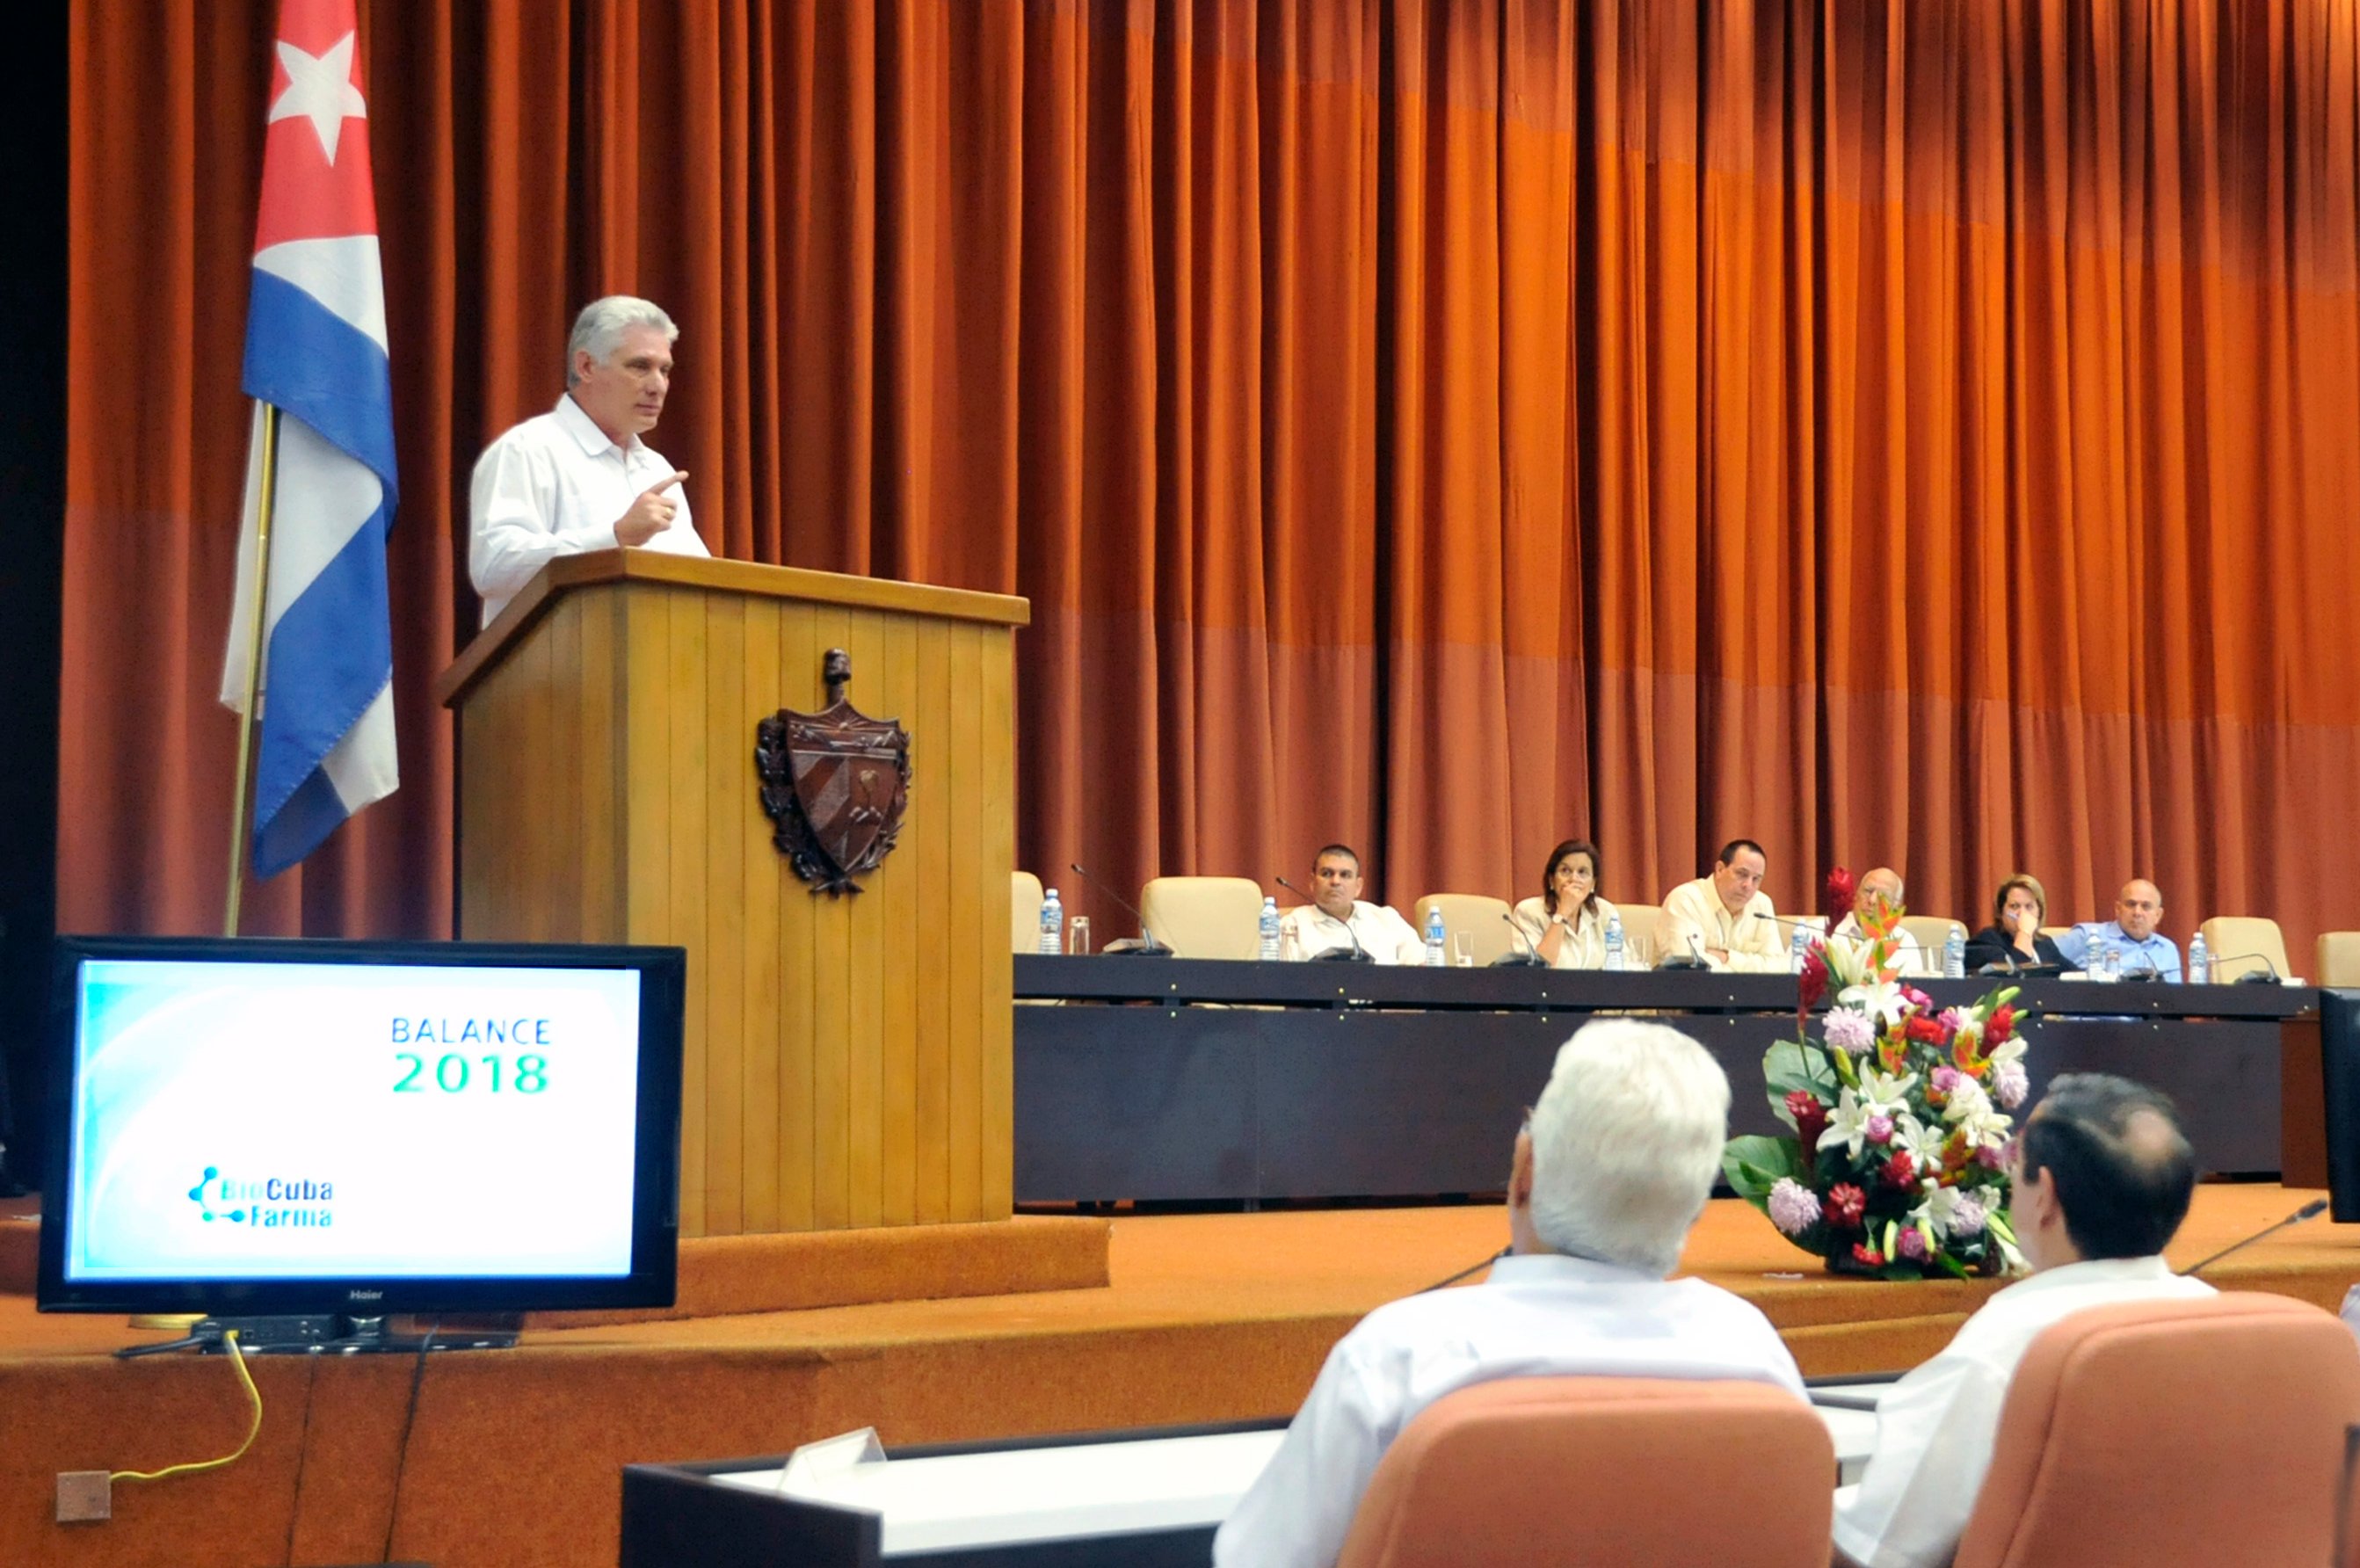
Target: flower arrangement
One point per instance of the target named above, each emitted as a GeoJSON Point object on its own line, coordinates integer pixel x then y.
{"type": "Point", "coordinates": [1896, 1167]}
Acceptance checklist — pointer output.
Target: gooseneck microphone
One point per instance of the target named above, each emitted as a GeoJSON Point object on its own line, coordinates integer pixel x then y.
{"type": "Point", "coordinates": [2310, 1210]}
{"type": "Point", "coordinates": [1154, 949]}
{"type": "Point", "coordinates": [1355, 955]}
{"type": "Point", "coordinates": [1530, 958]}
{"type": "Point", "coordinates": [1694, 959]}
{"type": "Point", "coordinates": [2267, 975]}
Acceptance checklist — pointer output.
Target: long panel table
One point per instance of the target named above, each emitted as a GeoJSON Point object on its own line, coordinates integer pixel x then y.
{"type": "Point", "coordinates": [1200, 1080]}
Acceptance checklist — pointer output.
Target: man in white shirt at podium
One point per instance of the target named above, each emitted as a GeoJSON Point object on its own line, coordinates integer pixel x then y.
{"type": "Point", "coordinates": [1719, 918]}
{"type": "Point", "coordinates": [1338, 921]}
{"type": "Point", "coordinates": [1607, 1176]}
{"type": "Point", "coordinates": [1881, 890]}
{"type": "Point", "coordinates": [578, 478]}
{"type": "Point", "coordinates": [2102, 1177]}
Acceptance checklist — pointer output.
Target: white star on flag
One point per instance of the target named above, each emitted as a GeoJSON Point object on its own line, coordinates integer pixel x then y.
{"type": "Point", "coordinates": [320, 88]}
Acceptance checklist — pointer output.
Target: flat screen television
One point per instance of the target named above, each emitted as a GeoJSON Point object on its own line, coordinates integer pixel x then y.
{"type": "Point", "coordinates": [275, 1127]}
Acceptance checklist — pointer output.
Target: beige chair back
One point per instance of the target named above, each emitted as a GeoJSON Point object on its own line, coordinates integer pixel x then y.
{"type": "Point", "coordinates": [2339, 958]}
{"type": "Point", "coordinates": [1480, 916]}
{"type": "Point", "coordinates": [1639, 931]}
{"type": "Point", "coordinates": [2234, 937]}
{"type": "Point", "coordinates": [1024, 898]}
{"type": "Point", "coordinates": [1932, 931]}
{"type": "Point", "coordinates": [1205, 917]}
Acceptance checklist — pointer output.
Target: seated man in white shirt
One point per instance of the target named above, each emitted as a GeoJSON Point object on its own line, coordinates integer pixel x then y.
{"type": "Point", "coordinates": [579, 478]}
{"type": "Point", "coordinates": [1881, 890]}
{"type": "Point", "coordinates": [1338, 922]}
{"type": "Point", "coordinates": [1609, 1173]}
{"type": "Point", "coordinates": [1723, 918]}
{"type": "Point", "coordinates": [2103, 1176]}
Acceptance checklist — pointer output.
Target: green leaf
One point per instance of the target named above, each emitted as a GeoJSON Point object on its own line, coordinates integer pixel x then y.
{"type": "Point", "coordinates": [1791, 1064]}
{"type": "Point", "coordinates": [1753, 1164]}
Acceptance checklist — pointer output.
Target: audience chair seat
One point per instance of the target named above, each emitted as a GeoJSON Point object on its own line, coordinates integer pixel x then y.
{"type": "Point", "coordinates": [1607, 1470]}
{"type": "Point", "coordinates": [2208, 1431]}
{"type": "Point", "coordinates": [2339, 958]}
{"type": "Point", "coordinates": [1025, 896]}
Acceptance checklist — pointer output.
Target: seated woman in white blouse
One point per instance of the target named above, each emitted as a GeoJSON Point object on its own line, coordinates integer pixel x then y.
{"type": "Point", "coordinates": [1566, 924]}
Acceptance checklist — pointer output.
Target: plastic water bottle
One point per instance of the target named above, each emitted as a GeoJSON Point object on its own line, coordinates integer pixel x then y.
{"type": "Point", "coordinates": [1433, 938]}
{"type": "Point", "coordinates": [1799, 950]}
{"type": "Point", "coordinates": [1053, 924]}
{"type": "Point", "coordinates": [1614, 955]}
{"type": "Point", "coordinates": [2200, 960]}
{"type": "Point", "coordinates": [1954, 955]}
{"type": "Point", "coordinates": [1270, 930]}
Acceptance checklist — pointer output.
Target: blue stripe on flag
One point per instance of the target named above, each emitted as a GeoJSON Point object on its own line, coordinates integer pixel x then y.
{"type": "Point", "coordinates": [309, 815]}
{"type": "Point", "coordinates": [319, 367]}
{"type": "Point", "coordinates": [330, 654]}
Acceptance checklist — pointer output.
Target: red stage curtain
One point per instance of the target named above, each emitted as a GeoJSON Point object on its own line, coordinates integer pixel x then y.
{"type": "Point", "coordinates": [1918, 433]}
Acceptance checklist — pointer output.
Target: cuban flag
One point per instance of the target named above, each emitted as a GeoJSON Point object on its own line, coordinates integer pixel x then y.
{"type": "Point", "coordinates": [315, 348]}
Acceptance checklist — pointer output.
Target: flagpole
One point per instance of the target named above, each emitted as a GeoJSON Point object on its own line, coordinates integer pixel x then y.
{"type": "Point", "coordinates": [238, 816]}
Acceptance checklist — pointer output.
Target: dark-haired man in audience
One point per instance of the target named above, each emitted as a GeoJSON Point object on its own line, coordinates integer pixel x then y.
{"type": "Point", "coordinates": [2102, 1175]}
{"type": "Point", "coordinates": [1607, 1176]}
{"type": "Point", "coordinates": [1338, 918]}
{"type": "Point", "coordinates": [1719, 918]}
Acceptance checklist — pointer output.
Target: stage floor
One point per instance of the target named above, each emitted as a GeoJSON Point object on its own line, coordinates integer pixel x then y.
{"type": "Point", "coordinates": [514, 1457]}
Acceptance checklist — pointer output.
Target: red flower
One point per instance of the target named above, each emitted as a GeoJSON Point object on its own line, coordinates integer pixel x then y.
{"type": "Point", "coordinates": [1923, 1030]}
{"type": "Point", "coordinates": [1810, 1120]}
{"type": "Point", "coordinates": [1867, 1256]}
{"type": "Point", "coordinates": [2001, 1025]}
{"type": "Point", "coordinates": [1900, 1170]}
{"type": "Point", "coordinates": [1845, 1204]}
{"type": "Point", "coordinates": [1962, 1053]}
{"type": "Point", "coordinates": [1841, 888]}
{"type": "Point", "coordinates": [1812, 985]}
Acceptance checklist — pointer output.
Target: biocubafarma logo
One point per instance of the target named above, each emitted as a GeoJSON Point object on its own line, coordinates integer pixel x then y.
{"type": "Point", "coordinates": [271, 1202]}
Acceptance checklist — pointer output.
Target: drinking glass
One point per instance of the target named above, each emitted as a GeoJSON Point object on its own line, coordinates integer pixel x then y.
{"type": "Point", "coordinates": [1078, 936]}
{"type": "Point", "coordinates": [1462, 949]}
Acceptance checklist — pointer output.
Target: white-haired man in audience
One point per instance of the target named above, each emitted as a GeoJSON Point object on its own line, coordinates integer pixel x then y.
{"type": "Point", "coordinates": [578, 478]}
{"type": "Point", "coordinates": [2102, 1177]}
{"type": "Point", "coordinates": [1880, 890]}
{"type": "Point", "coordinates": [1611, 1171]}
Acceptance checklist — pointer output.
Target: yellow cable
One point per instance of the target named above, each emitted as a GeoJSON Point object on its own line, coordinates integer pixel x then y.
{"type": "Point", "coordinates": [237, 1359]}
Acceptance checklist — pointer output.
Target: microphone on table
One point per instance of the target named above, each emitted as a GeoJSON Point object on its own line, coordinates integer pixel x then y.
{"type": "Point", "coordinates": [1154, 949]}
{"type": "Point", "coordinates": [2267, 975]}
{"type": "Point", "coordinates": [1530, 958]}
{"type": "Point", "coordinates": [1356, 954]}
{"type": "Point", "coordinates": [1694, 959]}
{"type": "Point", "coordinates": [2310, 1210]}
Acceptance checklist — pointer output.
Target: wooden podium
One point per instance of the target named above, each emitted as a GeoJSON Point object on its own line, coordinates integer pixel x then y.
{"type": "Point", "coordinates": [847, 1056]}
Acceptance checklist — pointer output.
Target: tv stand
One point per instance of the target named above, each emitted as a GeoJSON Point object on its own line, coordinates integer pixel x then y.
{"type": "Point", "coordinates": [322, 1334]}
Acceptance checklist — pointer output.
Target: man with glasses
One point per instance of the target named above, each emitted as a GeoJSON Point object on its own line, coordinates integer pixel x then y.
{"type": "Point", "coordinates": [1612, 1167]}
{"type": "Point", "coordinates": [1723, 918]}
{"type": "Point", "coordinates": [1879, 891]}
{"type": "Point", "coordinates": [2103, 1176]}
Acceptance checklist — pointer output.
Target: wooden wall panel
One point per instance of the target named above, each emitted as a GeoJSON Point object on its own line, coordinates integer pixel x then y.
{"type": "Point", "coordinates": [848, 1058]}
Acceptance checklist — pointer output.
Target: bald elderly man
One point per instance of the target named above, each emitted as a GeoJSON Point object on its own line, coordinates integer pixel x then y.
{"type": "Point", "coordinates": [1883, 888]}
{"type": "Point", "coordinates": [2139, 947]}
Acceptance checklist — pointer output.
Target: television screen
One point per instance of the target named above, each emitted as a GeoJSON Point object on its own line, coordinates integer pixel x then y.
{"type": "Point", "coordinates": [361, 1128]}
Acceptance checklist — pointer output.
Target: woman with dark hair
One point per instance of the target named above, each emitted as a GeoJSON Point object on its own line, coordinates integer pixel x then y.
{"type": "Point", "coordinates": [2014, 935]}
{"type": "Point", "coordinates": [1566, 924]}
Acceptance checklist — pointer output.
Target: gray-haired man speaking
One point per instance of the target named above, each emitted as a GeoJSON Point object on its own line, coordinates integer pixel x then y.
{"type": "Point", "coordinates": [579, 478]}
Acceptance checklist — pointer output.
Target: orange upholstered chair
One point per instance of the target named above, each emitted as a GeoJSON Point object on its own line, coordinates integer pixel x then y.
{"type": "Point", "coordinates": [2206, 1430]}
{"type": "Point", "coordinates": [1528, 1470]}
